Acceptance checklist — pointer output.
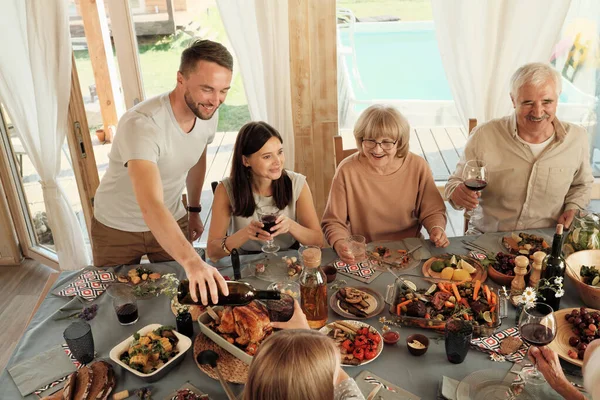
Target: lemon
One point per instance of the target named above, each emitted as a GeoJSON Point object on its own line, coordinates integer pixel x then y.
{"type": "Point", "coordinates": [431, 289]}
{"type": "Point", "coordinates": [487, 317]}
{"type": "Point", "coordinates": [410, 285]}
{"type": "Point", "coordinates": [576, 235]}
{"type": "Point", "coordinates": [447, 273]}
{"type": "Point", "coordinates": [453, 261]}
{"type": "Point", "coordinates": [466, 266]}
{"type": "Point", "coordinates": [460, 275]}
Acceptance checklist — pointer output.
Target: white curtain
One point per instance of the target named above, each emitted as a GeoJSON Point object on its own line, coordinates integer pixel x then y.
{"type": "Point", "coordinates": [482, 43]}
{"type": "Point", "coordinates": [259, 34]}
{"type": "Point", "coordinates": [35, 82]}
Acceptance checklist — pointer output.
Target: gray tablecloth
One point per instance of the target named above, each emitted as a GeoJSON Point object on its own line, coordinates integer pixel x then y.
{"type": "Point", "coordinates": [420, 376]}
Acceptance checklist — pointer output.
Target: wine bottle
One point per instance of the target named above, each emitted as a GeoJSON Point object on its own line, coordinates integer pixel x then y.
{"type": "Point", "coordinates": [240, 293]}
{"type": "Point", "coordinates": [553, 267]}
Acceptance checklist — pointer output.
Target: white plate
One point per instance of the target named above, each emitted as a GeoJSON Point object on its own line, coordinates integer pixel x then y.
{"type": "Point", "coordinates": [327, 328]}
{"type": "Point", "coordinates": [183, 345]}
{"type": "Point", "coordinates": [487, 384]}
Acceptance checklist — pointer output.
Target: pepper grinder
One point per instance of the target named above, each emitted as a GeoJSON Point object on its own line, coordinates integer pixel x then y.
{"type": "Point", "coordinates": [536, 268]}
{"type": "Point", "coordinates": [517, 285]}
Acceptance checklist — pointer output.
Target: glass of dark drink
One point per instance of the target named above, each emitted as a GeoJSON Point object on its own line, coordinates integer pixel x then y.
{"type": "Point", "coordinates": [457, 335]}
{"type": "Point", "coordinates": [79, 338]}
{"type": "Point", "coordinates": [537, 326]}
{"type": "Point", "coordinates": [475, 177]}
{"type": "Point", "coordinates": [267, 215]}
{"type": "Point", "coordinates": [125, 304]}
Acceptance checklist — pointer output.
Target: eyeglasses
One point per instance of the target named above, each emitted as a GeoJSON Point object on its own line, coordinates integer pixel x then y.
{"type": "Point", "coordinates": [385, 145]}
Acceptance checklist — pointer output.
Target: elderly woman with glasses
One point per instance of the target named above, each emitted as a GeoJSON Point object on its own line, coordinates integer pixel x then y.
{"type": "Point", "coordinates": [383, 192]}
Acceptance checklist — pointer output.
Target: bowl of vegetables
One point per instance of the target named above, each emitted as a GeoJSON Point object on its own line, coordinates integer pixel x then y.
{"type": "Point", "coordinates": [584, 233]}
{"type": "Point", "coordinates": [583, 269]}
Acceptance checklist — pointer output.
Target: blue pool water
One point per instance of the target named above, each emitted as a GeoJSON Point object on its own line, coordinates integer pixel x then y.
{"type": "Point", "coordinates": [398, 65]}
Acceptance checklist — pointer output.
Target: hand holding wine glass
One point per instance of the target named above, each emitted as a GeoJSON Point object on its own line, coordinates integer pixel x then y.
{"type": "Point", "coordinates": [537, 326]}
{"type": "Point", "coordinates": [268, 217]}
{"type": "Point", "coordinates": [475, 175]}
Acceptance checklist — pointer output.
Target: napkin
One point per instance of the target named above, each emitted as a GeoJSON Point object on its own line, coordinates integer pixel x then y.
{"type": "Point", "coordinates": [366, 382]}
{"type": "Point", "coordinates": [491, 241]}
{"type": "Point", "coordinates": [90, 284]}
{"type": "Point", "coordinates": [491, 344]}
{"type": "Point", "coordinates": [364, 271]}
{"type": "Point", "coordinates": [447, 389]}
{"type": "Point", "coordinates": [43, 369]}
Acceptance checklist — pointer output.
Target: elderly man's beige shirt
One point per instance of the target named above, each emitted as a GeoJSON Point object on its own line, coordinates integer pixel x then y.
{"type": "Point", "coordinates": [524, 192]}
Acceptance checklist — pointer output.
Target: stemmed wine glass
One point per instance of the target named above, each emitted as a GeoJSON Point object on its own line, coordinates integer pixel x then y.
{"type": "Point", "coordinates": [537, 326]}
{"type": "Point", "coordinates": [475, 178]}
{"type": "Point", "coordinates": [267, 215]}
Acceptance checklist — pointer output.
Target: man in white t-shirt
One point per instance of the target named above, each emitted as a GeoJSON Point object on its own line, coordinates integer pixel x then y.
{"type": "Point", "coordinates": [159, 148]}
{"type": "Point", "coordinates": [538, 167]}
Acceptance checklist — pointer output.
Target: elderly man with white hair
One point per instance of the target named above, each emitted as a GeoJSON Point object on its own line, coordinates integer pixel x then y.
{"type": "Point", "coordinates": [538, 167]}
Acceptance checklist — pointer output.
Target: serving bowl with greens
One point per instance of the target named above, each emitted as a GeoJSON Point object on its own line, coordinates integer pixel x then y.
{"type": "Point", "coordinates": [584, 233]}
{"type": "Point", "coordinates": [151, 352]}
{"type": "Point", "coordinates": [583, 268]}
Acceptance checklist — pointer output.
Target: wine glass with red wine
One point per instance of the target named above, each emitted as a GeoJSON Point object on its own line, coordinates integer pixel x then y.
{"type": "Point", "coordinates": [267, 215]}
{"type": "Point", "coordinates": [475, 177]}
{"type": "Point", "coordinates": [537, 326]}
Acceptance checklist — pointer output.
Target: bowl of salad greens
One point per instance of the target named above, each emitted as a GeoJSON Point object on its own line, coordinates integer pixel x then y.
{"type": "Point", "coordinates": [584, 233]}
{"type": "Point", "coordinates": [583, 269]}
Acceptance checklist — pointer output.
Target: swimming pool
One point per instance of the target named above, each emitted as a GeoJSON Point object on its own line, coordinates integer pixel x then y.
{"type": "Point", "coordinates": [400, 63]}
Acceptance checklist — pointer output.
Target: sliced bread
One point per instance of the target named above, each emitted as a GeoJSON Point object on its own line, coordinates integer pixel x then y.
{"type": "Point", "coordinates": [99, 380]}
{"type": "Point", "coordinates": [85, 375]}
{"type": "Point", "coordinates": [69, 388]}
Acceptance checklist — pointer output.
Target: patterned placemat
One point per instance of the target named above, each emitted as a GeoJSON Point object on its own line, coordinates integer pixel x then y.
{"type": "Point", "coordinates": [364, 271]}
{"type": "Point", "coordinates": [492, 343]}
{"type": "Point", "coordinates": [90, 284]}
{"type": "Point", "coordinates": [232, 368]}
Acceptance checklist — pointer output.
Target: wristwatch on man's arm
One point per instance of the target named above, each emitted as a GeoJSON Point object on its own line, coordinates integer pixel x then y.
{"type": "Point", "coordinates": [194, 209]}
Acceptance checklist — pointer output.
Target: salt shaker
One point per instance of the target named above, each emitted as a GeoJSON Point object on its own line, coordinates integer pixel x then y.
{"type": "Point", "coordinates": [517, 285]}
{"type": "Point", "coordinates": [536, 268]}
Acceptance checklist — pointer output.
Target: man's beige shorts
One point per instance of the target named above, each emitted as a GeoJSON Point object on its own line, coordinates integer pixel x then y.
{"type": "Point", "coordinates": [112, 247]}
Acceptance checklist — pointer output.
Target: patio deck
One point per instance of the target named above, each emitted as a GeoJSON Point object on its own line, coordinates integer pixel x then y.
{"type": "Point", "coordinates": [441, 147]}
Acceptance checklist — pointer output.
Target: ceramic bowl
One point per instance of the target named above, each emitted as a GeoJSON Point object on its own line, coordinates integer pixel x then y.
{"type": "Point", "coordinates": [590, 295]}
{"type": "Point", "coordinates": [420, 338]}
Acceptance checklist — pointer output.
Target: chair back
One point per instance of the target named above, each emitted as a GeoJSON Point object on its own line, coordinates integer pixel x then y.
{"type": "Point", "coordinates": [339, 152]}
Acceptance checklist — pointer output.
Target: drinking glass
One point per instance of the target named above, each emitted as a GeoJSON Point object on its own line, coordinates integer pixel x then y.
{"type": "Point", "coordinates": [475, 178]}
{"type": "Point", "coordinates": [357, 244]}
{"type": "Point", "coordinates": [537, 326]}
{"type": "Point", "coordinates": [457, 335]}
{"type": "Point", "coordinates": [79, 338]}
{"type": "Point", "coordinates": [125, 304]}
{"type": "Point", "coordinates": [267, 215]}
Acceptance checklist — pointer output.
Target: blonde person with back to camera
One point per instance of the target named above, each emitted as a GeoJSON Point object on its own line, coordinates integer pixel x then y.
{"type": "Point", "coordinates": [298, 364]}
{"type": "Point", "coordinates": [383, 192]}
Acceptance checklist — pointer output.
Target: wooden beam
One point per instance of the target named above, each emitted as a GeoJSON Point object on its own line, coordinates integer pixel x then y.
{"type": "Point", "coordinates": [313, 70]}
{"type": "Point", "coordinates": [123, 31]}
{"type": "Point", "coordinates": [99, 45]}
{"type": "Point", "coordinates": [81, 149]}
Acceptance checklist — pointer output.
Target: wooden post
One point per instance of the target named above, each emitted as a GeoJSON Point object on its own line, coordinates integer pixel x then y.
{"type": "Point", "coordinates": [123, 30]}
{"type": "Point", "coordinates": [95, 26]}
{"type": "Point", "coordinates": [313, 76]}
{"type": "Point", "coordinates": [82, 153]}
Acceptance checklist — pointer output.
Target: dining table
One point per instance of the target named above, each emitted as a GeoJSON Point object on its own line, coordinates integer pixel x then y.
{"type": "Point", "coordinates": [419, 375]}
